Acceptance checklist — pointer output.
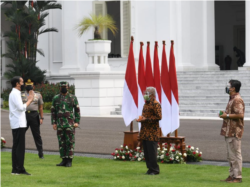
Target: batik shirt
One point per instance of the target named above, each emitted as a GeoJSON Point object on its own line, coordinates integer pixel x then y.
{"type": "Point", "coordinates": [234, 127]}
{"type": "Point", "coordinates": [65, 110]}
{"type": "Point", "coordinates": [150, 127]}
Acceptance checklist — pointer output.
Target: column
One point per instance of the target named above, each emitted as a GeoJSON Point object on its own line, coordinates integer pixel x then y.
{"type": "Point", "coordinates": [247, 64]}
{"type": "Point", "coordinates": [209, 35]}
{"type": "Point", "coordinates": [202, 35]}
{"type": "Point", "coordinates": [4, 62]}
{"type": "Point", "coordinates": [69, 38]}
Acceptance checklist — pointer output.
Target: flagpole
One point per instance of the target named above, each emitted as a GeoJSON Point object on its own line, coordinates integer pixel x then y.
{"type": "Point", "coordinates": [131, 126]}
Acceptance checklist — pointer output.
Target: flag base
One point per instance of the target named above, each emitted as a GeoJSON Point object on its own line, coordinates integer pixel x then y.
{"type": "Point", "coordinates": [130, 139]}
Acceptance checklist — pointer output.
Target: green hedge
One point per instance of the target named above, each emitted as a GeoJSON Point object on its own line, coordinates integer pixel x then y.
{"type": "Point", "coordinates": [47, 105]}
{"type": "Point", "coordinates": [48, 91]}
{"type": "Point", "coordinates": [5, 104]}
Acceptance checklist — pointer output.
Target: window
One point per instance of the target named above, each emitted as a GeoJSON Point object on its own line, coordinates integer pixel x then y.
{"type": "Point", "coordinates": [120, 11]}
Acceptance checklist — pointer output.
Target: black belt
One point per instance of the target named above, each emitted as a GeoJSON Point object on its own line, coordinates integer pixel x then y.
{"type": "Point", "coordinates": [29, 111]}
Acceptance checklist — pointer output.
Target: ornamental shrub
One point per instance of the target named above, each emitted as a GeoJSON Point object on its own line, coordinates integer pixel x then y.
{"type": "Point", "coordinates": [47, 105]}
{"type": "Point", "coordinates": [48, 91]}
{"type": "Point", "coordinates": [5, 94]}
{"type": "Point", "coordinates": [5, 104]}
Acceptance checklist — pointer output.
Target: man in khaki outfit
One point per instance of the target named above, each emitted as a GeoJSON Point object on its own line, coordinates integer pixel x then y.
{"type": "Point", "coordinates": [32, 116]}
{"type": "Point", "coordinates": [232, 129]}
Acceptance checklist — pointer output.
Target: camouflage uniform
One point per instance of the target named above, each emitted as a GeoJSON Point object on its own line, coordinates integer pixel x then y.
{"type": "Point", "coordinates": [65, 112]}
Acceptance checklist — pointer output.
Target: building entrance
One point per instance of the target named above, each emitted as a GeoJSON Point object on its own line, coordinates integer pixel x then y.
{"type": "Point", "coordinates": [230, 38]}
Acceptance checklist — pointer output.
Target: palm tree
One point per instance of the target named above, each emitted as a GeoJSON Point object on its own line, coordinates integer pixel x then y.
{"type": "Point", "coordinates": [27, 25]}
{"type": "Point", "coordinates": [98, 23]}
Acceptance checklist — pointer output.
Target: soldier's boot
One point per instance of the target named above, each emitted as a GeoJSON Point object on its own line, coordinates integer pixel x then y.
{"type": "Point", "coordinates": [69, 162]}
{"type": "Point", "coordinates": [63, 163]}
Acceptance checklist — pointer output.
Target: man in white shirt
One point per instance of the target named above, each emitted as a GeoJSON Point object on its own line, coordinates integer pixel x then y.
{"type": "Point", "coordinates": [18, 124]}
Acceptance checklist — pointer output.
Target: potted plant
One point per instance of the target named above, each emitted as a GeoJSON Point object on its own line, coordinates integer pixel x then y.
{"type": "Point", "coordinates": [97, 48]}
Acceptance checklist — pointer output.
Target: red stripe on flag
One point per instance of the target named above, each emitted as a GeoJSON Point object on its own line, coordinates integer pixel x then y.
{"type": "Point", "coordinates": [149, 74]}
{"type": "Point", "coordinates": [165, 79]}
{"type": "Point", "coordinates": [157, 74]}
{"type": "Point", "coordinates": [172, 73]}
{"type": "Point", "coordinates": [141, 71]}
{"type": "Point", "coordinates": [130, 75]}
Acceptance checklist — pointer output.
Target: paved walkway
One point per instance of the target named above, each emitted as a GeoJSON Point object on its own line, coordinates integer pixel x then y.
{"type": "Point", "coordinates": [103, 135]}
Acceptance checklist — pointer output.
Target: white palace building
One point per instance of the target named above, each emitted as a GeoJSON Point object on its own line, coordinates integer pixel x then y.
{"type": "Point", "coordinates": [204, 33]}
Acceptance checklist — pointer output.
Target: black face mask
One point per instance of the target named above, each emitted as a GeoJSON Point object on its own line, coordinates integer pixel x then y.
{"type": "Point", "coordinates": [64, 90]}
{"type": "Point", "coordinates": [29, 87]}
{"type": "Point", "coordinates": [227, 90]}
{"type": "Point", "coordinates": [22, 87]}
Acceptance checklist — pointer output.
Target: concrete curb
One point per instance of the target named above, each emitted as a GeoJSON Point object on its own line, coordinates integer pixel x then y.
{"type": "Point", "coordinates": [120, 116]}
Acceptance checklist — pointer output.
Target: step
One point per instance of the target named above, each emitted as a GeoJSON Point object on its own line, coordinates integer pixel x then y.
{"type": "Point", "coordinates": [204, 104]}
{"type": "Point", "coordinates": [208, 107]}
{"type": "Point", "coordinates": [204, 110]}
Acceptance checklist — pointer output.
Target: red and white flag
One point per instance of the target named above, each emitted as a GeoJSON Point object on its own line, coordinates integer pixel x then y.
{"type": "Point", "coordinates": [157, 75]}
{"type": "Point", "coordinates": [174, 89]}
{"type": "Point", "coordinates": [141, 84]}
{"type": "Point", "coordinates": [166, 107]}
{"type": "Point", "coordinates": [130, 89]}
{"type": "Point", "coordinates": [149, 73]}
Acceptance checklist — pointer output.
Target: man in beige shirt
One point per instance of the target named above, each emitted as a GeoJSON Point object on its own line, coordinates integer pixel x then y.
{"type": "Point", "coordinates": [232, 129]}
{"type": "Point", "coordinates": [32, 116]}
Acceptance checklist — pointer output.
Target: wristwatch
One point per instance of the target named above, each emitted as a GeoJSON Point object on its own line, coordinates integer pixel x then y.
{"type": "Point", "coordinates": [42, 118]}
{"type": "Point", "coordinates": [227, 115]}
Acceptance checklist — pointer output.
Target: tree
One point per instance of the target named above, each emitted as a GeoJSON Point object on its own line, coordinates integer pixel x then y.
{"type": "Point", "coordinates": [28, 23]}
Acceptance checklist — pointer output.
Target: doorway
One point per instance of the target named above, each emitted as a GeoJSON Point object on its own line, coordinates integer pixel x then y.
{"type": "Point", "coordinates": [230, 34]}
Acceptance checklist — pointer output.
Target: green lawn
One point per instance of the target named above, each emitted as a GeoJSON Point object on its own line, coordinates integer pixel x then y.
{"type": "Point", "coordinates": [91, 172]}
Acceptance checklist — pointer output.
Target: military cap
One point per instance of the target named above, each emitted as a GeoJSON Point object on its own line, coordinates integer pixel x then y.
{"type": "Point", "coordinates": [29, 82]}
{"type": "Point", "coordinates": [64, 83]}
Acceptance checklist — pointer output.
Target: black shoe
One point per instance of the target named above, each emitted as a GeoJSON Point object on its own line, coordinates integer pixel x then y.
{"type": "Point", "coordinates": [153, 173]}
{"type": "Point", "coordinates": [24, 173]}
{"type": "Point", "coordinates": [147, 172]}
{"type": "Point", "coordinates": [69, 162]}
{"type": "Point", "coordinates": [63, 163]}
{"type": "Point", "coordinates": [41, 157]}
{"type": "Point", "coordinates": [14, 172]}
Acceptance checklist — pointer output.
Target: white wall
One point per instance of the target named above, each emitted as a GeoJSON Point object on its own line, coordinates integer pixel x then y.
{"type": "Point", "coordinates": [152, 23]}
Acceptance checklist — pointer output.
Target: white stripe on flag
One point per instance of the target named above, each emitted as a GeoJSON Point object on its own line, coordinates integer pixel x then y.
{"type": "Point", "coordinates": [129, 109]}
{"type": "Point", "coordinates": [175, 114]}
{"type": "Point", "coordinates": [140, 104]}
{"type": "Point", "coordinates": [166, 109]}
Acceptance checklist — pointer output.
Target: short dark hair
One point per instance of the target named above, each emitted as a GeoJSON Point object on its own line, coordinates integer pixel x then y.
{"type": "Point", "coordinates": [15, 80]}
{"type": "Point", "coordinates": [235, 84]}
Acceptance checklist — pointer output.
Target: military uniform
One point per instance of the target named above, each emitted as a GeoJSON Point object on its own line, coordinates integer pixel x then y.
{"type": "Point", "coordinates": [32, 117]}
{"type": "Point", "coordinates": [65, 112]}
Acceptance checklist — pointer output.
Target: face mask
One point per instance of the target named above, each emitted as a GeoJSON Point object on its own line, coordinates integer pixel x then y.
{"type": "Point", "coordinates": [146, 97]}
{"type": "Point", "coordinates": [227, 89]}
{"type": "Point", "coordinates": [22, 87]}
{"type": "Point", "coordinates": [29, 87]}
{"type": "Point", "coordinates": [64, 90]}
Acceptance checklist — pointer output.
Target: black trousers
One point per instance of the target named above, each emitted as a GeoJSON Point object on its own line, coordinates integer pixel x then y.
{"type": "Point", "coordinates": [34, 123]}
{"type": "Point", "coordinates": [150, 153]}
{"type": "Point", "coordinates": [18, 149]}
